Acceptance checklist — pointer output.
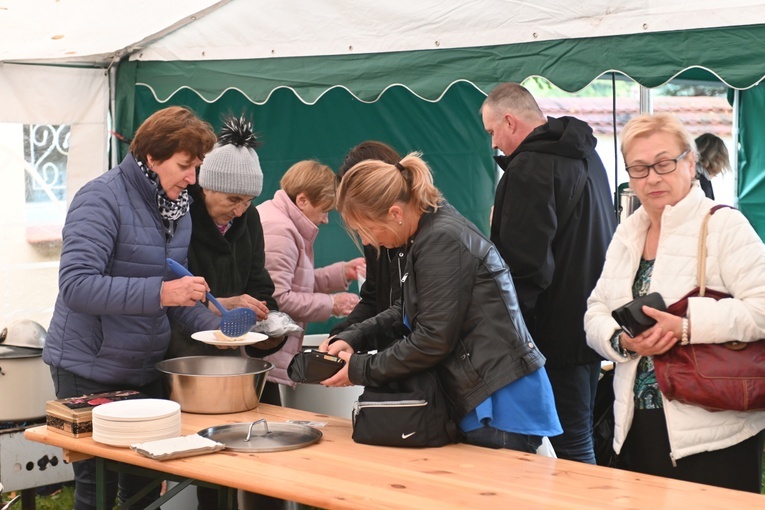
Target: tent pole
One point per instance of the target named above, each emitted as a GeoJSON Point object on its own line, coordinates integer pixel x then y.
{"type": "Point", "coordinates": [734, 136]}
{"type": "Point", "coordinates": [646, 100]}
{"type": "Point", "coordinates": [617, 198]}
{"type": "Point", "coordinates": [114, 143]}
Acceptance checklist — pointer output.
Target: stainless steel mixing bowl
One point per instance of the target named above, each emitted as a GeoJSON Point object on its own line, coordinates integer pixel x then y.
{"type": "Point", "coordinates": [214, 384]}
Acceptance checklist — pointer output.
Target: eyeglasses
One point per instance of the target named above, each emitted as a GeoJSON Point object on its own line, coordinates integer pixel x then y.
{"type": "Point", "coordinates": [665, 166]}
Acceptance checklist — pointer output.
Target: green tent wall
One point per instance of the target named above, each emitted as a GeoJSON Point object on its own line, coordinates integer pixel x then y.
{"type": "Point", "coordinates": [449, 133]}
{"type": "Point", "coordinates": [751, 159]}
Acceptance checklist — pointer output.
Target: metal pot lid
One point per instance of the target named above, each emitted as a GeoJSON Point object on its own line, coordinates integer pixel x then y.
{"type": "Point", "coordinates": [12, 352]}
{"type": "Point", "coordinates": [23, 333]}
{"type": "Point", "coordinates": [262, 436]}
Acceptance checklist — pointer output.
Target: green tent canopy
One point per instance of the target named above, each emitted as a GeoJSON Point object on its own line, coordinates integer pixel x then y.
{"type": "Point", "coordinates": [650, 59]}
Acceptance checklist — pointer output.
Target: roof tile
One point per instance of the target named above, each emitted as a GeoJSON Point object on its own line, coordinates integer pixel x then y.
{"type": "Point", "coordinates": [699, 114]}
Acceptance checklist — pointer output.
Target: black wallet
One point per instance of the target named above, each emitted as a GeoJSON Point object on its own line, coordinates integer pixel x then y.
{"type": "Point", "coordinates": [313, 366]}
{"type": "Point", "coordinates": [631, 317]}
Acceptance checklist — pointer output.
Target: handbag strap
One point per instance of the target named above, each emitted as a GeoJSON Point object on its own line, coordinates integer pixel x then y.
{"type": "Point", "coordinates": [701, 271]}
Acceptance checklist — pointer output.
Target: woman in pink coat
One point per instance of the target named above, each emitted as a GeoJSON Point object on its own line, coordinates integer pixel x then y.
{"type": "Point", "coordinates": [290, 224]}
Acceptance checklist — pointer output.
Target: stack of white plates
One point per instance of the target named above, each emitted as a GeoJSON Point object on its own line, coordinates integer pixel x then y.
{"type": "Point", "coordinates": [136, 421]}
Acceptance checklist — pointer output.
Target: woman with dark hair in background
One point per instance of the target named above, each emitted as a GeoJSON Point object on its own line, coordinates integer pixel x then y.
{"type": "Point", "coordinates": [382, 286]}
{"type": "Point", "coordinates": [713, 160]}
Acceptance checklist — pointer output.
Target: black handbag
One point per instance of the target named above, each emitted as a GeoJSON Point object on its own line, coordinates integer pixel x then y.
{"type": "Point", "coordinates": [631, 317]}
{"type": "Point", "coordinates": [412, 412]}
{"type": "Point", "coordinates": [313, 366]}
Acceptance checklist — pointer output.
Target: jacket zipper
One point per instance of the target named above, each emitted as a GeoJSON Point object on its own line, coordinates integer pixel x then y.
{"type": "Point", "coordinates": [358, 406]}
{"type": "Point", "coordinates": [391, 403]}
{"type": "Point", "coordinates": [401, 280]}
{"type": "Point", "coordinates": [390, 292]}
{"type": "Point", "coordinates": [669, 438]}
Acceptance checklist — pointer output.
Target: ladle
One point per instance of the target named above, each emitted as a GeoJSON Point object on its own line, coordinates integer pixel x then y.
{"type": "Point", "coordinates": [234, 323]}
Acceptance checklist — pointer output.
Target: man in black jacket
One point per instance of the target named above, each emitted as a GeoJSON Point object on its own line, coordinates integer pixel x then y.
{"type": "Point", "coordinates": [552, 222]}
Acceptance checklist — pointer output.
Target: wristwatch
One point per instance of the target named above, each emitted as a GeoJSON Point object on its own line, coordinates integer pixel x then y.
{"type": "Point", "coordinates": [616, 343]}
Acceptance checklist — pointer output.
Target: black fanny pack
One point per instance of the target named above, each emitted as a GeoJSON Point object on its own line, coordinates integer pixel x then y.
{"type": "Point", "coordinates": [413, 412]}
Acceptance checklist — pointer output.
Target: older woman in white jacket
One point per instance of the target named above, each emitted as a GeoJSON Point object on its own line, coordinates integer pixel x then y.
{"type": "Point", "coordinates": [655, 250]}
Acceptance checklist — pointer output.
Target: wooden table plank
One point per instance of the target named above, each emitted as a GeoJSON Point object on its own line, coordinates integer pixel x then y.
{"type": "Point", "coordinates": [337, 473]}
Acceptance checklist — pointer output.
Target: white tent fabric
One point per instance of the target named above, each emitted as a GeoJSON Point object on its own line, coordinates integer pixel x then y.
{"type": "Point", "coordinates": [84, 32]}
{"type": "Point", "coordinates": [95, 31]}
{"type": "Point", "coordinates": [78, 97]}
{"type": "Point", "coordinates": [89, 31]}
{"type": "Point", "coordinates": [247, 29]}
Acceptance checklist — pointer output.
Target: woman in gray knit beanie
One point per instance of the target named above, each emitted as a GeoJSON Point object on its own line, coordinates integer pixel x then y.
{"type": "Point", "coordinates": [227, 247]}
{"type": "Point", "coordinates": [233, 166]}
{"type": "Point", "coordinates": [227, 237]}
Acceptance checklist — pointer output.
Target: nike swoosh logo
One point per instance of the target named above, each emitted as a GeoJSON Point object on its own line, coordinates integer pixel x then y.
{"type": "Point", "coordinates": [407, 436]}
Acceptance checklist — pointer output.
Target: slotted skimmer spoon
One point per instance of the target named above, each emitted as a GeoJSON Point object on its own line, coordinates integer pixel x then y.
{"type": "Point", "coordinates": [234, 323]}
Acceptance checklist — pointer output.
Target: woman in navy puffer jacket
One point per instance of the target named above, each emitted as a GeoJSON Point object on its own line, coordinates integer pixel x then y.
{"type": "Point", "coordinates": [111, 322]}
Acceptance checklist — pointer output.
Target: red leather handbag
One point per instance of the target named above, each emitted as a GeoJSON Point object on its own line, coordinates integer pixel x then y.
{"type": "Point", "coordinates": [728, 376]}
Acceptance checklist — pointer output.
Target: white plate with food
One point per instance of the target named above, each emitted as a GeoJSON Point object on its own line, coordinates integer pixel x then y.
{"type": "Point", "coordinates": [216, 337]}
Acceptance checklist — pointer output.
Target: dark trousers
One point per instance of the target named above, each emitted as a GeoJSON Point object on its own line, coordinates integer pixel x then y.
{"type": "Point", "coordinates": [120, 485]}
{"type": "Point", "coordinates": [489, 437]}
{"type": "Point", "coordinates": [574, 389]}
{"type": "Point", "coordinates": [646, 450]}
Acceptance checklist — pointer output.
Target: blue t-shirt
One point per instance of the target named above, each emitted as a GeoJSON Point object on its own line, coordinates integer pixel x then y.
{"type": "Point", "coordinates": [525, 406]}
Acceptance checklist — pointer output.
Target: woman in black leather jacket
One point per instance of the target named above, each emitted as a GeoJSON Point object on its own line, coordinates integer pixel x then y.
{"type": "Point", "coordinates": [458, 303]}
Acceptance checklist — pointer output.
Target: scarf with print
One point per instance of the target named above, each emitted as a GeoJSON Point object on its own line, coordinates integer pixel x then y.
{"type": "Point", "coordinates": [170, 210]}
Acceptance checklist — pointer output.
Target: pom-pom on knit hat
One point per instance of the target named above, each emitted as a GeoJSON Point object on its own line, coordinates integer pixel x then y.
{"type": "Point", "coordinates": [233, 165]}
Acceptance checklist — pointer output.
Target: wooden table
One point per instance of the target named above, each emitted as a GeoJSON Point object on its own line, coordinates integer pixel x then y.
{"type": "Point", "coordinates": [338, 473]}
